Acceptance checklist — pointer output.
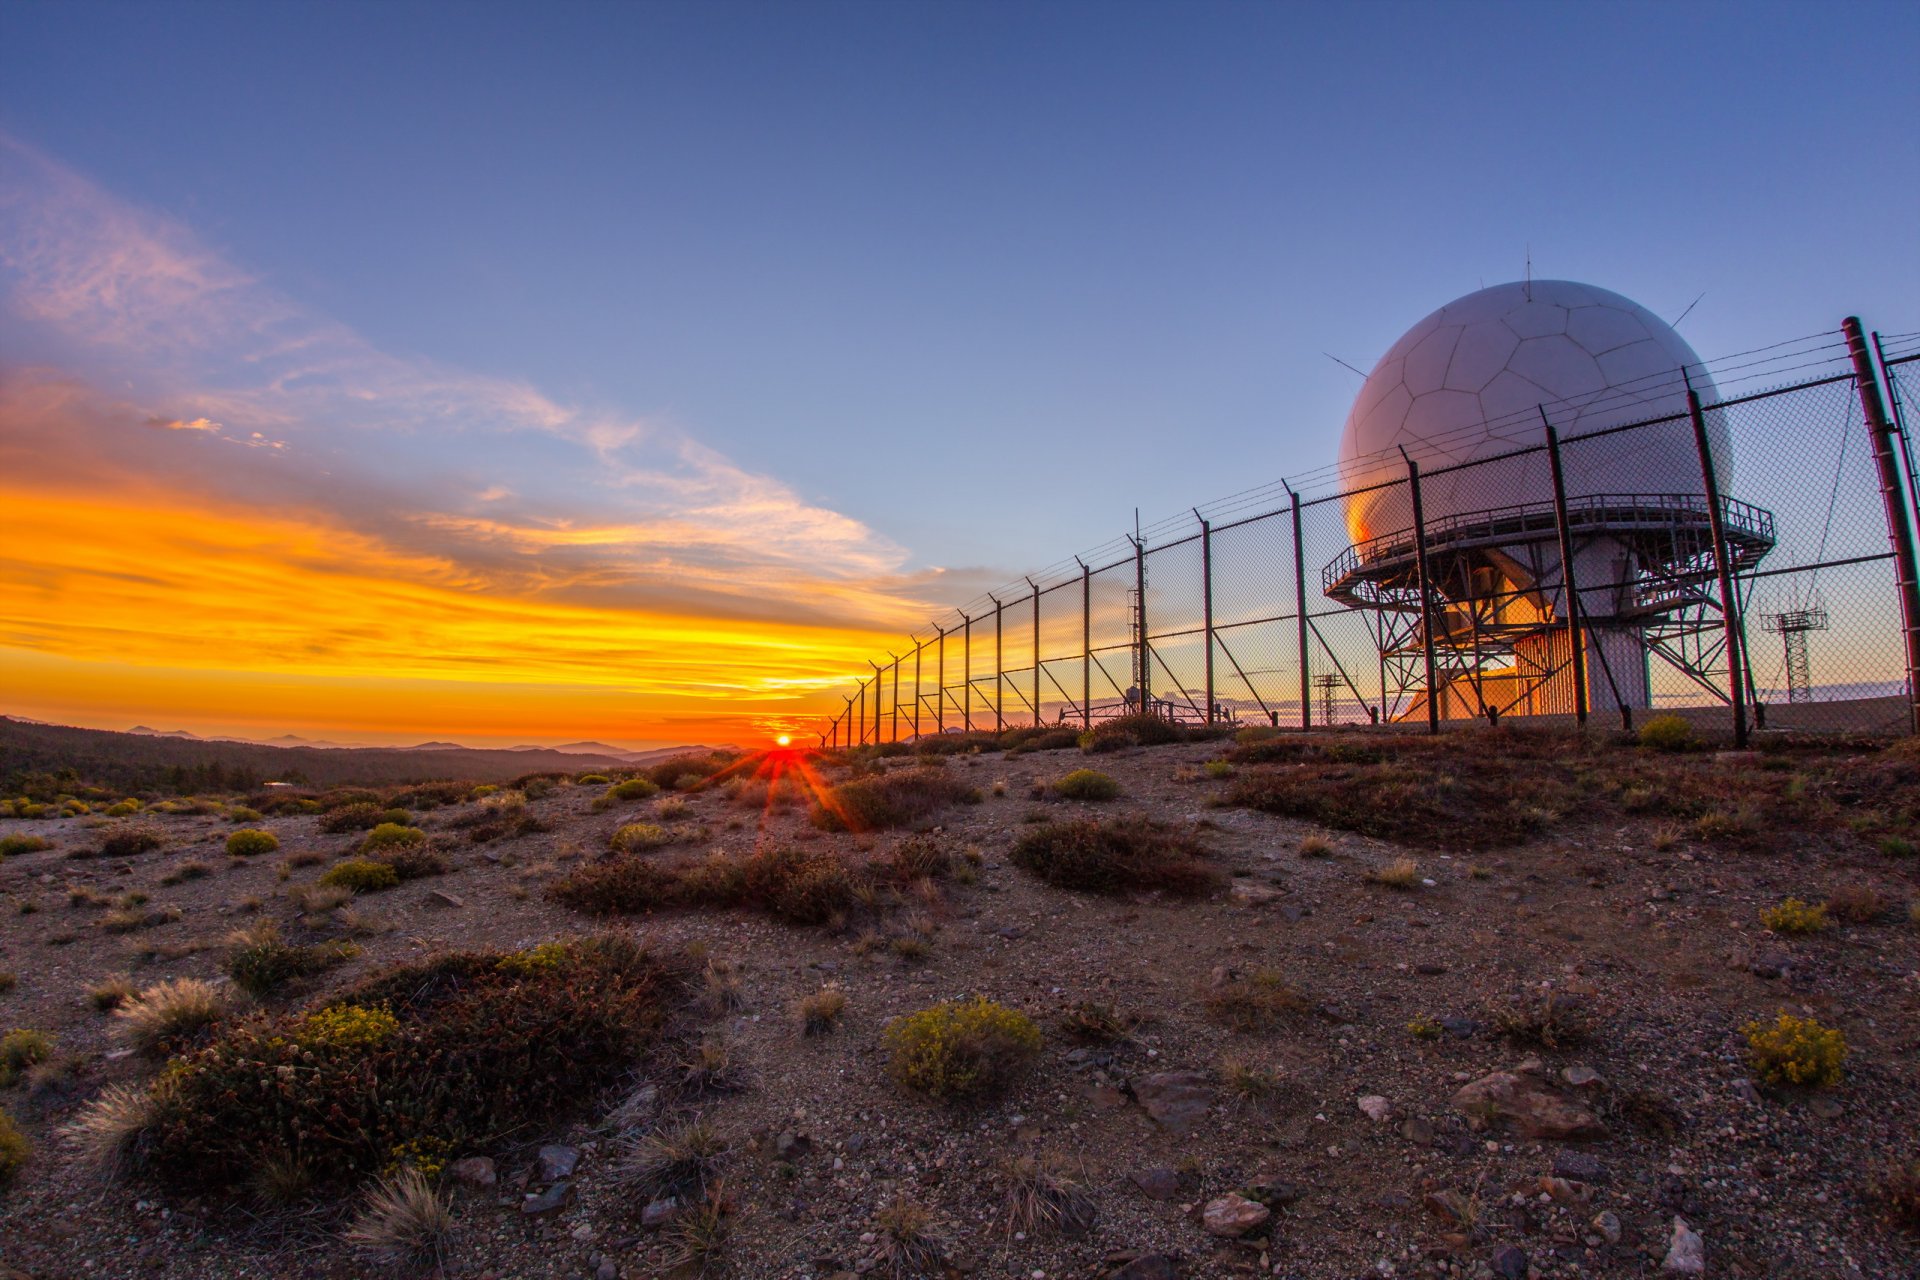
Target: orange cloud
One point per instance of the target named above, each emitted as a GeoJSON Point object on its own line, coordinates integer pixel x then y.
{"type": "Point", "coordinates": [177, 424]}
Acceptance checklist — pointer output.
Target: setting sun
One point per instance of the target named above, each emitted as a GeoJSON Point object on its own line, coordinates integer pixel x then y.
{"type": "Point", "coordinates": [785, 740]}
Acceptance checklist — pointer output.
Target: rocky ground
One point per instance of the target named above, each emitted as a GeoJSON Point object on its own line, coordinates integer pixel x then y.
{"type": "Point", "coordinates": [1384, 1127]}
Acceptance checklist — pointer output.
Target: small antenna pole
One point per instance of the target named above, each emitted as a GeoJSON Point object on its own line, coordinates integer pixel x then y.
{"type": "Point", "coordinates": [1529, 273]}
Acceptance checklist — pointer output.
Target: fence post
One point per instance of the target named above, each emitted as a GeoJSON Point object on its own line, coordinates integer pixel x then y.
{"type": "Point", "coordinates": [1729, 603]}
{"type": "Point", "coordinates": [1426, 590]}
{"type": "Point", "coordinates": [1897, 527]}
{"type": "Point", "coordinates": [1576, 639]}
{"type": "Point", "coordinates": [1143, 657]}
{"type": "Point", "coordinates": [1300, 611]}
{"type": "Point", "coordinates": [861, 740]}
{"type": "Point", "coordinates": [1206, 600]}
{"type": "Point", "coordinates": [966, 671]}
{"type": "Point", "coordinates": [999, 669]}
{"type": "Point", "coordinates": [940, 678]}
{"type": "Point", "coordinates": [895, 699]}
{"type": "Point", "coordinates": [919, 647]}
{"type": "Point", "coordinates": [1036, 651]}
{"type": "Point", "coordinates": [1899, 420]}
{"type": "Point", "coordinates": [1086, 644]}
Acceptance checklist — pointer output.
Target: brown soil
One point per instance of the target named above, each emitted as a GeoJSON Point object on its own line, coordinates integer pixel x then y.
{"type": "Point", "coordinates": [1665, 946]}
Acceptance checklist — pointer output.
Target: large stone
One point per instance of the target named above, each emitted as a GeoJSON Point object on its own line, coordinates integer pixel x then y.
{"type": "Point", "coordinates": [1161, 1182]}
{"type": "Point", "coordinates": [1177, 1100]}
{"type": "Point", "coordinates": [557, 1162]}
{"type": "Point", "coordinates": [1509, 1263]}
{"type": "Point", "coordinates": [1233, 1215]}
{"type": "Point", "coordinates": [475, 1171]}
{"type": "Point", "coordinates": [1686, 1251]}
{"type": "Point", "coordinates": [1376, 1108]}
{"type": "Point", "coordinates": [1579, 1166]}
{"type": "Point", "coordinates": [1529, 1105]}
{"type": "Point", "coordinates": [556, 1197]}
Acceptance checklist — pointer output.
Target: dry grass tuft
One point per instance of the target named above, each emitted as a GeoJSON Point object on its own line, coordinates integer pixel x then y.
{"type": "Point", "coordinates": [1258, 1002]}
{"type": "Point", "coordinates": [1858, 904]}
{"type": "Point", "coordinates": [1096, 1023]}
{"type": "Point", "coordinates": [1401, 873]}
{"type": "Point", "coordinates": [1549, 1019]}
{"type": "Point", "coordinates": [1316, 847]}
{"type": "Point", "coordinates": [159, 1018]}
{"type": "Point", "coordinates": [1114, 857]}
{"type": "Point", "coordinates": [820, 1012]}
{"type": "Point", "coordinates": [1248, 1080]}
{"type": "Point", "coordinates": [108, 1128]}
{"type": "Point", "coordinates": [909, 1244]}
{"type": "Point", "coordinates": [405, 1222]}
{"type": "Point", "coordinates": [1042, 1194]}
{"type": "Point", "coordinates": [683, 1162]}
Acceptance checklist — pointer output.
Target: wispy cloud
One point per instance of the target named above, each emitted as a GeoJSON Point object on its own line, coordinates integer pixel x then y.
{"type": "Point", "coordinates": [151, 348]}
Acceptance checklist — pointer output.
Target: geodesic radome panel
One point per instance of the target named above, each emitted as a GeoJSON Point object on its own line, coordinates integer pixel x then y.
{"type": "Point", "coordinates": [1468, 382]}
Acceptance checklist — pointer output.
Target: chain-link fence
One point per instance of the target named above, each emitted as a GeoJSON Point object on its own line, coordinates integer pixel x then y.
{"type": "Point", "coordinates": [1746, 563]}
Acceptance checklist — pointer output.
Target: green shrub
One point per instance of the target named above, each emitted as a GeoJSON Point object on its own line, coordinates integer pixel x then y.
{"type": "Point", "coordinates": [955, 744]}
{"type": "Point", "coordinates": [362, 875]}
{"type": "Point", "coordinates": [635, 836]}
{"type": "Point", "coordinates": [14, 1149]}
{"type": "Point", "coordinates": [413, 861]}
{"type": "Point", "coordinates": [1795, 1051]}
{"type": "Point", "coordinates": [632, 789]}
{"type": "Point", "coordinates": [1795, 916]}
{"type": "Point", "coordinates": [19, 1049]}
{"type": "Point", "coordinates": [673, 774]}
{"type": "Point", "coordinates": [241, 813]}
{"type": "Point", "coordinates": [248, 843]}
{"type": "Point", "coordinates": [1667, 733]}
{"type": "Point", "coordinates": [11, 845]}
{"type": "Point", "coordinates": [124, 808]}
{"type": "Point", "coordinates": [1131, 731]}
{"type": "Point", "coordinates": [457, 1049]}
{"type": "Point", "coordinates": [391, 835]}
{"type": "Point", "coordinates": [897, 799]}
{"type": "Point", "coordinates": [961, 1049]}
{"type": "Point", "coordinates": [483, 791]}
{"type": "Point", "coordinates": [1086, 784]}
{"type": "Point", "coordinates": [1898, 847]}
{"type": "Point", "coordinates": [1057, 737]}
{"type": "Point", "coordinates": [592, 780]}
{"type": "Point", "coordinates": [260, 963]}
{"type": "Point", "coordinates": [360, 816]}
{"type": "Point", "coordinates": [1218, 769]}
{"type": "Point", "coordinates": [1113, 857]}
{"type": "Point", "coordinates": [800, 887]}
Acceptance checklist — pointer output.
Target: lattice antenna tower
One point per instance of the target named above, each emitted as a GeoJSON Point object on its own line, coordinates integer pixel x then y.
{"type": "Point", "coordinates": [1329, 685]}
{"type": "Point", "coordinates": [1792, 627]}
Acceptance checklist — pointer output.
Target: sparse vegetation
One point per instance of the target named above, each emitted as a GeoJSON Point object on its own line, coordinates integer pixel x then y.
{"type": "Point", "coordinates": [820, 1012]}
{"type": "Point", "coordinates": [637, 836]}
{"type": "Point", "coordinates": [1858, 904]}
{"type": "Point", "coordinates": [1315, 847]}
{"type": "Point", "coordinates": [1795, 917]}
{"type": "Point", "coordinates": [406, 1222]}
{"type": "Point", "coordinates": [683, 1161]}
{"type": "Point", "coordinates": [961, 1049]}
{"type": "Point", "coordinates": [1795, 1051]}
{"type": "Point", "coordinates": [1667, 733]}
{"type": "Point", "coordinates": [1042, 1195]}
{"type": "Point", "coordinates": [13, 845]}
{"type": "Point", "coordinates": [130, 842]}
{"type": "Point", "coordinates": [251, 842]}
{"type": "Point", "coordinates": [1114, 857]}
{"type": "Point", "coordinates": [1086, 784]}
{"type": "Point", "coordinates": [1401, 873]}
{"type": "Point", "coordinates": [1897, 1189]}
{"type": "Point", "coordinates": [898, 798]}
{"type": "Point", "coordinates": [261, 963]}
{"type": "Point", "coordinates": [390, 836]}
{"type": "Point", "coordinates": [19, 1049]}
{"type": "Point", "coordinates": [799, 886]}
{"type": "Point", "coordinates": [161, 1019]}
{"type": "Point", "coordinates": [14, 1149]}
{"type": "Point", "coordinates": [110, 993]}
{"type": "Point", "coordinates": [1096, 1023]}
{"type": "Point", "coordinates": [361, 875]}
{"type": "Point", "coordinates": [910, 1247]}
{"type": "Point", "coordinates": [361, 816]}
{"type": "Point", "coordinates": [1549, 1019]}
{"type": "Point", "coordinates": [1259, 1001]}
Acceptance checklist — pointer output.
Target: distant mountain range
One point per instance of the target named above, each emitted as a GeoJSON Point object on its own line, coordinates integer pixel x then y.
{"type": "Point", "coordinates": [144, 757]}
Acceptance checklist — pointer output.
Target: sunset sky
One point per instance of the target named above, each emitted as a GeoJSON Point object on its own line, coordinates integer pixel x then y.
{"type": "Point", "coordinates": [516, 373]}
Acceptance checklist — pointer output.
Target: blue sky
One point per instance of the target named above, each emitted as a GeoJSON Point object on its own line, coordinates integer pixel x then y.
{"type": "Point", "coordinates": [961, 284]}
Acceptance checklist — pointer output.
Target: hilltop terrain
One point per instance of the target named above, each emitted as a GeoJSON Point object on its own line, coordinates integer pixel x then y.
{"type": "Point", "coordinates": [1308, 1006]}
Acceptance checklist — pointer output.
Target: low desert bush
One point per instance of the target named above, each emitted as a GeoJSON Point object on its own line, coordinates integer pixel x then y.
{"type": "Point", "coordinates": [406, 1222]}
{"type": "Point", "coordinates": [1315, 847]}
{"type": "Point", "coordinates": [592, 780]}
{"type": "Point", "coordinates": [1259, 1001]}
{"type": "Point", "coordinates": [1096, 1023]}
{"type": "Point", "coordinates": [1086, 784]}
{"type": "Point", "coordinates": [19, 1049]}
{"type": "Point", "coordinates": [1858, 904]}
{"type": "Point", "coordinates": [362, 816]}
{"type": "Point", "coordinates": [1043, 1194]}
{"type": "Point", "coordinates": [181, 872]}
{"type": "Point", "coordinates": [955, 744]}
{"type": "Point", "coordinates": [1114, 857]}
{"type": "Point", "coordinates": [921, 857]}
{"type": "Point", "coordinates": [632, 789]}
{"type": "Point", "coordinates": [414, 861]}
{"type": "Point", "coordinates": [1794, 916]}
{"type": "Point", "coordinates": [961, 1049]}
{"type": "Point", "coordinates": [361, 875]}
{"type": "Point", "coordinates": [251, 842]}
{"type": "Point", "coordinates": [241, 813]}
{"type": "Point", "coordinates": [261, 963]}
{"type": "Point", "coordinates": [11, 845]}
{"type": "Point", "coordinates": [683, 1161]}
{"type": "Point", "coordinates": [1401, 873]}
{"type": "Point", "coordinates": [465, 1049]}
{"type": "Point", "coordinates": [637, 836]}
{"type": "Point", "coordinates": [14, 1149]}
{"type": "Point", "coordinates": [1898, 847]}
{"type": "Point", "coordinates": [672, 773]}
{"type": "Point", "coordinates": [803, 887]}
{"type": "Point", "coordinates": [1043, 738]}
{"type": "Point", "coordinates": [1548, 1019]}
{"type": "Point", "coordinates": [1218, 769]}
{"type": "Point", "coordinates": [1131, 731]}
{"type": "Point", "coordinates": [1795, 1051]}
{"type": "Point", "coordinates": [909, 1244]}
{"type": "Point", "coordinates": [110, 993]}
{"type": "Point", "coordinates": [132, 841]}
{"type": "Point", "coordinates": [820, 1012]}
{"type": "Point", "coordinates": [1667, 733]}
{"type": "Point", "coordinates": [391, 835]}
{"type": "Point", "coordinates": [901, 798]}
{"type": "Point", "coordinates": [161, 1019]}
{"type": "Point", "coordinates": [1897, 1189]}
{"type": "Point", "coordinates": [122, 809]}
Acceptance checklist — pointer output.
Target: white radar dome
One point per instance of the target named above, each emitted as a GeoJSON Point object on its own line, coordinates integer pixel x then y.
{"type": "Point", "coordinates": [1470, 381]}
